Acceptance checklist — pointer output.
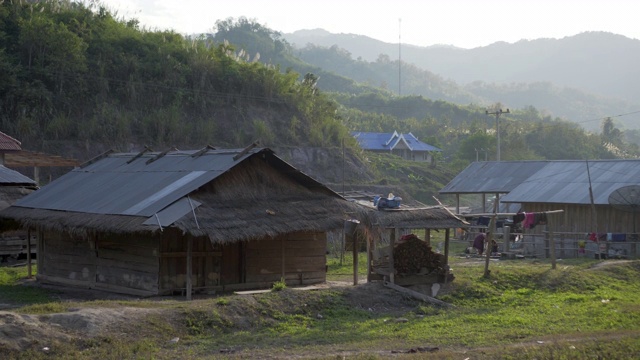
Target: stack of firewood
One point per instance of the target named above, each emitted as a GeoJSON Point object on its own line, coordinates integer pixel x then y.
{"type": "Point", "coordinates": [414, 256]}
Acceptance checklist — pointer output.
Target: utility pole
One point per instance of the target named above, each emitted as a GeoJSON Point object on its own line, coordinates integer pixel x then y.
{"type": "Point", "coordinates": [497, 113]}
{"type": "Point", "coordinates": [400, 57]}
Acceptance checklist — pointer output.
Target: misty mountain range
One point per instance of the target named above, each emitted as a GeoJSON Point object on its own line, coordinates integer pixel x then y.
{"type": "Point", "coordinates": [579, 78]}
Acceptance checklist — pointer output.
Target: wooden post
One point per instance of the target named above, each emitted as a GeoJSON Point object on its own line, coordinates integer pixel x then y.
{"type": "Point", "coordinates": [354, 237]}
{"type": "Point", "coordinates": [29, 274]}
{"type": "Point", "coordinates": [446, 248]}
{"type": "Point", "coordinates": [427, 236]}
{"type": "Point", "coordinates": [343, 245]}
{"type": "Point", "coordinates": [492, 229]}
{"type": "Point", "coordinates": [369, 257]}
{"type": "Point", "coordinates": [40, 250]}
{"type": "Point", "coordinates": [283, 265]}
{"type": "Point", "coordinates": [392, 241]}
{"type": "Point", "coordinates": [506, 233]}
{"type": "Point", "coordinates": [484, 203]}
{"type": "Point", "coordinates": [457, 204]}
{"type": "Point", "coordinates": [36, 174]}
{"type": "Point", "coordinates": [552, 243]}
{"type": "Point", "coordinates": [93, 245]}
{"type": "Point", "coordinates": [189, 266]}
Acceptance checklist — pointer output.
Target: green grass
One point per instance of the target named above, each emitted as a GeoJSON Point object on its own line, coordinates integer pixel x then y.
{"type": "Point", "coordinates": [343, 270]}
{"type": "Point", "coordinates": [12, 293]}
{"type": "Point", "coordinates": [524, 310]}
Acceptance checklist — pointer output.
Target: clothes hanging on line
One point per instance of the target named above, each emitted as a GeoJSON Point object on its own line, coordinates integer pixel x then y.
{"type": "Point", "coordinates": [530, 219]}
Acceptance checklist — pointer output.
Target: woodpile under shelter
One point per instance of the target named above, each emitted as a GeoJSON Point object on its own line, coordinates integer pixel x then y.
{"type": "Point", "coordinates": [594, 198]}
{"type": "Point", "coordinates": [395, 253]}
{"type": "Point", "coordinates": [174, 222]}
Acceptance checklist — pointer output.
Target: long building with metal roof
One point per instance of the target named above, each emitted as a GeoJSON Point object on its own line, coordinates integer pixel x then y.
{"type": "Point", "coordinates": [539, 186]}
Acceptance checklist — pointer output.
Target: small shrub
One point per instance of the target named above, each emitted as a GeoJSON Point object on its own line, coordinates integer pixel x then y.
{"type": "Point", "coordinates": [279, 285]}
{"type": "Point", "coordinates": [222, 301]}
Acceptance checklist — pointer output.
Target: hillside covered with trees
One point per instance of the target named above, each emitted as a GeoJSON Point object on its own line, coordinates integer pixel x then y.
{"type": "Point", "coordinates": [76, 80]}
{"type": "Point", "coordinates": [72, 72]}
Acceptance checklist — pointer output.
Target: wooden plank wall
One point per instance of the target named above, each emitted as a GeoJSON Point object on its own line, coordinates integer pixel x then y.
{"type": "Point", "coordinates": [206, 263]}
{"type": "Point", "coordinates": [15, 243]}
{"type": "Point", "coordinates": [124, 264]}
{"type": "Point", "coordinates": [67, 259]}
{"type": "Point", "coordinates": [127, 263]}
{"type": "Point", "coordinates": [304, 255]}
{"type": "Point", "coordinates": [578, 218]}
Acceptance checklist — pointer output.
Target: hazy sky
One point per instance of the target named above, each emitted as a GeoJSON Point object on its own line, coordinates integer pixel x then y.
{"type": "Point", "coordinates": [462, 23]}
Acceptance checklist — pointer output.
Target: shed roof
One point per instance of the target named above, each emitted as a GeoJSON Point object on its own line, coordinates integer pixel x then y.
{"type": "Point", "coordinates": [142, 183]}
{"type": "Point", "coordinates": [388, 141]}
{"type": "Point", "coordinates": [492, 177]}
{"type": "Point", "coordinates": [12, 177]}
{"type": "Point", "coordinates": [567, 181]}
{"type": "Point", "coordinates": [559, 181]}
{"type": "Point", "coordinates": [410, 215]}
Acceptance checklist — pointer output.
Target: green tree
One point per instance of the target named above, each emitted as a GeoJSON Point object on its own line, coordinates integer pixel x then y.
{"type": "Point", "coordinates": [477, 147]}
{"type": "Point", "coordinates": [610, 133]}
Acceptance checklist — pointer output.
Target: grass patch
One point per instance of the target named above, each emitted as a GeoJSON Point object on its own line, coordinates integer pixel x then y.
{"type": "Point", "coordinates": [13, 292]}
{"type": "Point", "coordinates": [524, 310]}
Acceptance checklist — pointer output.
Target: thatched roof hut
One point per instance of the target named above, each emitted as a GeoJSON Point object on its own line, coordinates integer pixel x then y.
{"type": "Point", "coordinates": [152, 223]}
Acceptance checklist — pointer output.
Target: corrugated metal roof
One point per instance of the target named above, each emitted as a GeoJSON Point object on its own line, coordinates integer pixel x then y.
{"type": "Point", "coordinates": [12, 177]}
{"type": "Point", "coordinates": [118, 186]}
{"type": "Point", "coordinates": [388, 141]}
{"type": "Point", "coordinates": [562, 181]}
{"type": "Point", "coordinates": [492, 177]}
{"type": "Point", "coordinates": [173, 212]}
{"type": "Point", "coordinates": [567, 182]}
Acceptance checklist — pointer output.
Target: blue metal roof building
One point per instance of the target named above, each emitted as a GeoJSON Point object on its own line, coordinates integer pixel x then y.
{"type": "Point", "coordinates": [406, 146]}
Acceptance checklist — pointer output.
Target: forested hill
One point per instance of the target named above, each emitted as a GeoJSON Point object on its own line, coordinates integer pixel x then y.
{"type": "Point", "coordinates": [577, 78]}
{"type": "Point", "coordinates": [76, 81]}
{"type": "Point", "coordinates": [73, 72]}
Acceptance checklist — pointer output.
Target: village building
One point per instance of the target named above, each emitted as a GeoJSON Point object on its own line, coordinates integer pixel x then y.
{"type": "Point", "coordinates": [13, 242]}
{"type": "Point", "coordinates": [595, 201]}
{"type": "Point", "coordinates": [154, 223]}
{"type": "Point", "coordinates": [407, 146]}
{"type": "Point", "coordinates": [14, 186]}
